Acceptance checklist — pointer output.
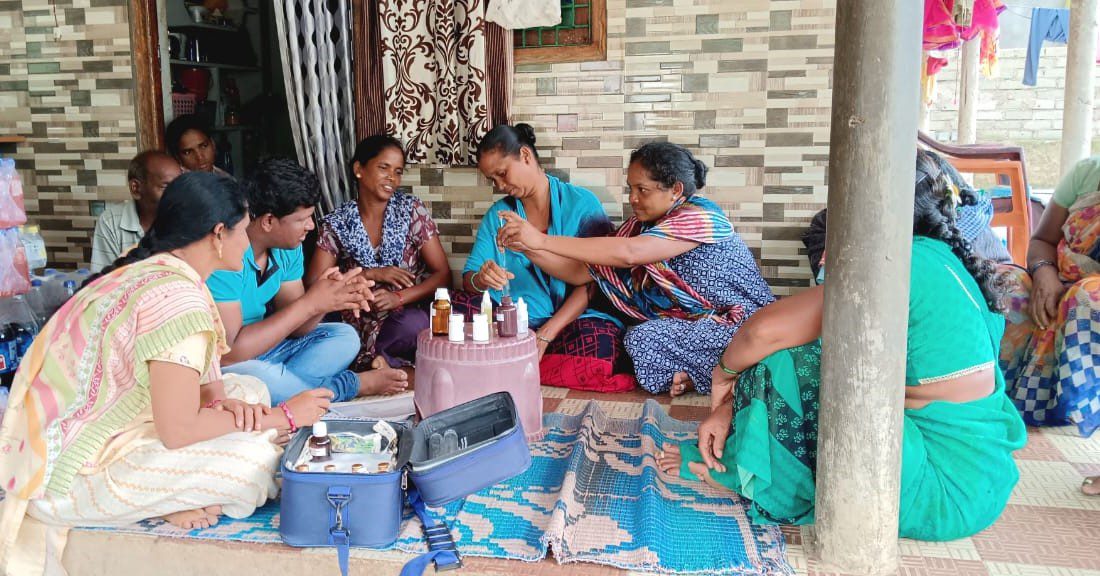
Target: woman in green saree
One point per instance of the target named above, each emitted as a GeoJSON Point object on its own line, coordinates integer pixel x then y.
{"type": "Point", "coordinates": [960, 428]}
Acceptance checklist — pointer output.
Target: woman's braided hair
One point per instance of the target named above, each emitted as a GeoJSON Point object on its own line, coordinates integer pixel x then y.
{"type": "Point", "coordinates": [935, 198]}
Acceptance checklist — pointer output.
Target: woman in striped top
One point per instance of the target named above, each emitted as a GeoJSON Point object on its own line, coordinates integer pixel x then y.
{"type": "Point", "coordinates": [119, 412]}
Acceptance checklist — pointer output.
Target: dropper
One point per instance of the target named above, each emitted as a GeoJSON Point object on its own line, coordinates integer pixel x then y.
{"type": "Point", "coordinates": [503, 261]}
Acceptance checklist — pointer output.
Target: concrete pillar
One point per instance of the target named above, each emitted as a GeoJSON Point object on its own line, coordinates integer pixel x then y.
{"type": "Point", "coordinates": [872, 154]}
{"type": "Point", "coordinates": [1080, 65]}
{"type": "Point", "coordinates": [925, 118]}
{"type": "Point", "coordinates": [968, 90]}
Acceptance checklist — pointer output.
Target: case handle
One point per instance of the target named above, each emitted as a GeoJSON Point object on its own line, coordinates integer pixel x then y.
{"type": "Point", "coordinates": [338, 533]}
{"type": "Point", "coordinates": [441, 546]}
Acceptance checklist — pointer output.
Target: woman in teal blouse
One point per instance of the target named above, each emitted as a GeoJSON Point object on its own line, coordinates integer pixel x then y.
{"type": "Point", "coordinates": [579, 347]}
{"type": "Point", "coordinates": [960, 428]}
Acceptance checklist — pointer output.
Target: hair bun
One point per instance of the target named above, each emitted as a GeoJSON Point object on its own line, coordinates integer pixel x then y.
{"type": "Point", "coordinates": [526, 133]}
{"type": "Point", "coordinates": [700, 173]}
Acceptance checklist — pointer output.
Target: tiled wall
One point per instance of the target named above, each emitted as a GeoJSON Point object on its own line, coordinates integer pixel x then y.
{"type": "Point", "coordinates": [745, 85]}
{"type": "Point", "coordinates": [66, 83]}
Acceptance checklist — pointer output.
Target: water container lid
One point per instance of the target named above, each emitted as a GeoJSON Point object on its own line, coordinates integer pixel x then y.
{"type": "Point", "coordinates": [36, 282]}
{"type": "Point", "coordinates": [70, 284]}
{"type": "Point", "coordinates": [84, 272]}
{"type": "Point", "coordinates": [320, 428]}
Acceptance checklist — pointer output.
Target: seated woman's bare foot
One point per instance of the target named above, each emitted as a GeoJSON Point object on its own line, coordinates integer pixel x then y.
{"type": "Point", "coordinates": [194, 519]}
{"type": "Point", "coordinates": [379, 362]}
{"type": "Point", "coordinates": [669, 460]}
{"type": "Point", "coordinates": [1091, 486]}
{"type": "Point", "coordinates": [681, 384]}
{"type": "Point", "coordinates": [383, 381]}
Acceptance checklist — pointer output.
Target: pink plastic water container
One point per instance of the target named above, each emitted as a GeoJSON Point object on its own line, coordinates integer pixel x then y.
{"type": "Point", "coordinates": [451, 373]}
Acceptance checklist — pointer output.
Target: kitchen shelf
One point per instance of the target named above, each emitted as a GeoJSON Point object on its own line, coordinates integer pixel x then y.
{"type": "Point", "coordinates": [176, 62]}
{"type": "Point", "coordinates": [204, 26]}
{"type": "Point", "coordinates": [235, 128]}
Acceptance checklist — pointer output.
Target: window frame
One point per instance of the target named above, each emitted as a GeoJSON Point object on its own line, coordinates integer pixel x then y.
{"type": "Point", "coordinates": [593, 52]}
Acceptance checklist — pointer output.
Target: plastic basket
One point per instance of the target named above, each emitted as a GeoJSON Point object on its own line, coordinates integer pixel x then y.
{"type": "Point", "coordinates": [183, 104]}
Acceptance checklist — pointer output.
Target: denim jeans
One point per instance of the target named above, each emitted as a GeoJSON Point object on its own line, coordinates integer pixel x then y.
{"type": "Point", "coordinates": [317, 360]}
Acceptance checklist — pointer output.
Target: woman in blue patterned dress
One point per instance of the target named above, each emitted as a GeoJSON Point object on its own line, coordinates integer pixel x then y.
{"type": "Point", "coordinates": [676, 269]}
{"type": "Point", "coordinates": [391, 235]}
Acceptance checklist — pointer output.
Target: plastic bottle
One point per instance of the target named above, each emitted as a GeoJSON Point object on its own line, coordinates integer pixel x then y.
{"type": "Point", "coordinates": [21, 318]}
{"type": "Point", "coordinates": [9, 351]}
{"type": "Point", "coordinates": [70, 288]}
{"type": "Point", "coordinates": [14, 276]}
{"type": "Point", "coordinates": [509, 323]}
{"type": "Point", "coordinates": [486, 305]}
{"type": "Point", "coordinates": [34, 246]}
{"type": "Point", "coordinates": [457, 328]}
{"type": "Point", "coordinates": [17, 330]}
{"type": "Point", "coordinates": [320, 445]}
{"type": "Point", "coordinates": [53, 290]}
{"type": "Point", "coordinates": [80, 276]}
{"type": "Point", "coordinates": [36, 298]}
{"type": "Point", "coordinates": [3, 403]}
{"type": "Point", "coordinates": [441, 312]}
{"type": "Point", "coordinates": [523, 321]}
{"type": "Point", "coordinates": [12, 212]}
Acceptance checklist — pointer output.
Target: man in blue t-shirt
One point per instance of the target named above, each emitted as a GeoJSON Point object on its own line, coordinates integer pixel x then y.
{"type": "Point", "coordinates": [272, 323]}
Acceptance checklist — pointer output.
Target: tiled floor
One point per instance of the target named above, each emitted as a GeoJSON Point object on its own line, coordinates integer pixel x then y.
{"type": "Point", "coordinates": [1049, 527]}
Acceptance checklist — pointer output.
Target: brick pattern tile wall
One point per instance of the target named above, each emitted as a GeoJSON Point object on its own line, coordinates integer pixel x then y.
{"type": "Point", "coordinates": [66, 83]}
{"type": "Point", "coordinates": [745, 85]}
{"type": "Point", "coordinates": [1007, 108]}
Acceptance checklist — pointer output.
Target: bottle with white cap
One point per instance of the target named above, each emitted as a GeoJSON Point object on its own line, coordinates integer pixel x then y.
{"type": "Point", "coordinates": [441, 312]}
{"type": "Point", "coordinates": [457, 332]}
{"type": "Point", "coordinates": [522, 320]}
{"type": "Point", "coordinates": [481, 328]}
{"type": "Point", "coordinates": [320, 446]}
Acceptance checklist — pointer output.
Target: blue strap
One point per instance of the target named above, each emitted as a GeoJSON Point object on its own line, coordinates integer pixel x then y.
{"type": "Point", "coordinates": [441, 547]}
{"type": "Point", "coordinates": [339, 535]}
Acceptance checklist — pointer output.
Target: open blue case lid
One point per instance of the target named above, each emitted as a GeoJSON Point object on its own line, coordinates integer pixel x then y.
{"type": "Point", "coordinates": [488, 446]}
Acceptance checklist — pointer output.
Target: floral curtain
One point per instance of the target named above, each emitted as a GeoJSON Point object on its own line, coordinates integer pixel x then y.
{"type": "Point", "coordinates": [445, 75]}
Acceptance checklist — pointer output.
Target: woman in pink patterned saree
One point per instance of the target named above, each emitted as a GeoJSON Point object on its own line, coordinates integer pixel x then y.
{"type": "Point", "coordinates": [1052, 342]}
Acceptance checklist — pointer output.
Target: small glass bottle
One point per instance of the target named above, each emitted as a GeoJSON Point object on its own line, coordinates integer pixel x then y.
{"type": "Point", "coordinates": [320, 445]}
{"type": "Point", "coordinates": [441, 312]}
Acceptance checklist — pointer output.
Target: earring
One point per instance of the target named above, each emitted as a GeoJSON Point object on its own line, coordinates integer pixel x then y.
{"type": "Point", "coordinates": [358, 175]}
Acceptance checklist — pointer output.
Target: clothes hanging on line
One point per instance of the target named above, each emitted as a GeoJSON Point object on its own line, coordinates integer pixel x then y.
{"type": "Point", "coordinates": [1047, 25]}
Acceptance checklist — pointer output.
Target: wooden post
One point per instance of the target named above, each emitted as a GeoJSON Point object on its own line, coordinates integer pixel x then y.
{"type": "Point", "coordinates": [968, 91]}
{"type": "Point", "coordinates": [872, 154]}
{"type": "Point", "coordinates": [1080, 66]}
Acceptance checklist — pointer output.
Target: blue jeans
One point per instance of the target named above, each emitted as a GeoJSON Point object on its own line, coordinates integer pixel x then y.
{"type": "Point", "coordinates": [317, 360]}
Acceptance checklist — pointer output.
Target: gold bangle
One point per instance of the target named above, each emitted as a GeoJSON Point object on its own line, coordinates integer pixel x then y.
{"type": "Point", "coordinates": [730, 371]}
